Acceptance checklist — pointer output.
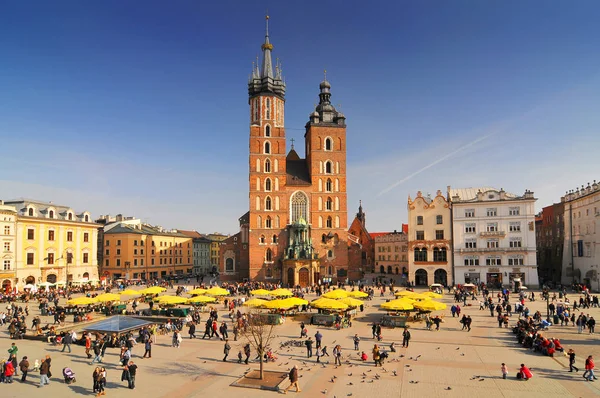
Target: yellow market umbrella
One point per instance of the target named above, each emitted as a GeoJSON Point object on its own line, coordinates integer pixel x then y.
{"type": "Point", "coordinates": [433, 295]}
{"type": "Point", "coordinates": [296, 301]}
{"type": "Point", "coordinates": [336, 294]}
{"type": "Point", "coordinates": [153, 290]}
{"type": "Point", "coordinates": [358, 294]}
{"type": "Point", "coordinates": [255, 302]}
{"type": "Point", "coordinates": [420, 296]}
{"type": "Point", "coordinates": [171, 300]}
{"type": "Point", "coordinates": [329, 304]}
{"type": "Point", "coordinates": [260, 292]}
{"type": "Point", "coordinates": [398, 305]}
{"type": "Point", "coordinates": [217, 291]}
{"type": "Point", "coordinates": [130, 292]}
{"type": "Point", "coordinates": [82, 301]}
{"type": "Point", "coordinates": [281, 293]}
{"type": "Point", "coordinates": [197, 291]}
{"type": "Point", "coordinates": [105, 297]}
{"type": "Point", "coordinates": [201, 300]}
{"type": "Point", "coordinates": [278, 305]}
{"type": "Point", "coordinates": [351, 302]}
{"type": "Point", "coordinates": [430, 305]}
{"type": "Point", "coordinates": [404, 293]}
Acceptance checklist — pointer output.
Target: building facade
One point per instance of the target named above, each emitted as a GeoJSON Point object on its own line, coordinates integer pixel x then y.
{"type": "Point", "coordinates": [8, 245]}
{"type": "Point", "coordinates": [581, 255]}
{"type": "Point", "coordinates": [53, 244]}
{"type": "Point", "coordinates": [493, 236]}
{"type": "Point", "coordinates": [215, 246]}
{"type": "Point", "coordinates": [364, 262]}
{"type": "Point", "coordinates": [550, 239]}
{"type": "Point", "coordinates": [391, 255]}
{"type": "Point", "coordinates": [134, 250]}
{"type": "Point", "coordinates": [430, 240]}
{"type": "Point", "coordinates": [298, 230]}
{"type": "Point", "coordinates": [233, 253]}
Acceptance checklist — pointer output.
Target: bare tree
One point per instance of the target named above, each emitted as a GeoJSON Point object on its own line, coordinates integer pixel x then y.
{"type": "Point", "coordinates": [259, 333]}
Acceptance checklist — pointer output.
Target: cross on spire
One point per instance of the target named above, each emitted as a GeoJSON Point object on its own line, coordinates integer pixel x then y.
{"type": "Point", "coordinates": [325, 74]}
{"type": "Point", "coordinates": [292, 142]}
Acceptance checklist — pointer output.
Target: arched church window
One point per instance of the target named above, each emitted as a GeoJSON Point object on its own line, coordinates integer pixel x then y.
{"type": "Point", "coordinates": [267, 131]}
{"type": "Point", "coordinates": [299, 207]}
{"type": "Point", "coordinates": [269, 255]}
{"type": "Point", "coordinates": [328, 167]}
{"type": "Point", "coordinates": [329, 222]}
{"type": "Point", "coordinates": [274, 238]}
{"type": "Point", "coordinates": [267, 147]}
{"type": "Point", "coordinates": [268, 203]}
{"type": "Point", "coordinates": [262, 239]}
{"type": "Point", "coordinates": [328, 144]}
{"type": "Point", "coordinates": [267, 166]}
{"type": "Point", "coordinates": [268, 185]}
{"type": "Point", "coordinates": [268, 222]}
{"type": "Point", "coordinates": [329, 204]}
{"type": "Point", "coordinates": [328, 185]}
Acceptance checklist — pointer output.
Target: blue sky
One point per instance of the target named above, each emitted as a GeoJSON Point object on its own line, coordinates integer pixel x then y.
{"type": "Point", "coordinates": [140, 108]}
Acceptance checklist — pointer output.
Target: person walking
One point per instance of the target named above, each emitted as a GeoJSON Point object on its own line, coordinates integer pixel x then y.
{"type": "Point", "coordinates": [66, 341]}
{"type": "Point", "coordinates": [376, 355]}
{"type": "Point", "coordinates": [88, 346]}
{"type": "Point", "coordinates": [405, 337]}
{"type": "Point", "coordinates": [192, 330]}
{"type": "Point", "coordinates": [101, 382]}
{"type": "Point", "coordinates": [302, 333]}
{"type": "Point", "coordinates": [318, 338]}
{"type": "Point", "coordinates": [589, 369]}
{"type": "Point", "coordinates": [293, 380]}
{"type": "Point", "coordinates": [591, 324]}
{"type": "Point", "coordinates": [571, 354]}
{"type": "Point", "coordinates": [247, 352]}
{"type": "Point", "coordinates": [97, 352]}
{"type": "Point", "coordinates": [309, 344]}
{"type": "Point", "coordinates": [468, 323]}
{"type": "Point", "coordinates": [337, 355]}
{"type": "Point", "coordinates": [95, 380]}
{"type": "Point", "coordinates": [132, 367]}
{"type": "Point", "coordinates": [9, 371]}
{"type": "Point", "coordinates": [356, 340]}
{"type": "Point", "coordinates": [226, 350]}
{"type": "Point", "coordinates": [148, 348]}
{"type": "Point", "coordinates": [44, 370]}
{"type": "Point", "coordinates": [13, 352]}
{"type": "Point", "coordinates": [24, 367]}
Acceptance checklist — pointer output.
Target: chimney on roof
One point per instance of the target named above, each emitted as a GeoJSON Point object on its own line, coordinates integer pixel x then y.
{"type": "Point", "coordinates": [119, 217]}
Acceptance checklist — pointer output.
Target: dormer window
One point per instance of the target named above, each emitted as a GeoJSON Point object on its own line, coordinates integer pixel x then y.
{"type": "Point", "coordinates": [51, 214]}
{"type": "Point", "coordinates": [86, 218]}
{"type": "Point", "coordinates": [70, 216]}
{"type": "Point", "coordinates": [328, 144]}
{"type": "Point", "coordinates": [30, 212]}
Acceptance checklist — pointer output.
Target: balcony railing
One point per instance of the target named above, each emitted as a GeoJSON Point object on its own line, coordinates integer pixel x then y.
{"type": "Point", "coordinates": [494, 249]}
{"type": "Point", "coordinates": [494, 234]}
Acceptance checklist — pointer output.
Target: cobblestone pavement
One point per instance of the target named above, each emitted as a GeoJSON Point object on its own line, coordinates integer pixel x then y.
{"type": "Point", "coordinates": [450, 358]}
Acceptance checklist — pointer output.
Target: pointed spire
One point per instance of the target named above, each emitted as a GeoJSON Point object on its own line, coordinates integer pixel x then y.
{"type": "Point", "coordinates": [267, 47]}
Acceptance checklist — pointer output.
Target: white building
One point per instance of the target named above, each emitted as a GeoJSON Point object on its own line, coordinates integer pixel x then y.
{"type": "Point", "coordinates": [581, 255]}
{"type": "Point", "coordinates": [493, 236]}
{"type": "Point", "coordinates": [8, 245]}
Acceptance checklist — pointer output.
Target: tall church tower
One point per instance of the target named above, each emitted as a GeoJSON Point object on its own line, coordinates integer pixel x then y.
{"type": "Point", "coordinates": [325, 144]}
{"type": "Point", "coordinates": [267, 166]}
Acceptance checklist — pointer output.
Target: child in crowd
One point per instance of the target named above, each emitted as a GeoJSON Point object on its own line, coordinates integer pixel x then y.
{"type": "Point", "coordinates": [504, 370]}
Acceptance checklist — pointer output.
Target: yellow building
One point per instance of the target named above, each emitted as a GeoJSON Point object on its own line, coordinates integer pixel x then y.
{"type": "Point", "coordinates": [8, 245]}
{"type": "Point", "coordinates": [215, 244]}
{"type": "Point", "coordinates": [133, 250]}
{"type": "Point", "coordinates": [53, 244]}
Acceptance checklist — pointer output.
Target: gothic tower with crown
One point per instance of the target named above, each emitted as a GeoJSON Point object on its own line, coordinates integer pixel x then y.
{"type": "Point", "coordinates": [298, 212]}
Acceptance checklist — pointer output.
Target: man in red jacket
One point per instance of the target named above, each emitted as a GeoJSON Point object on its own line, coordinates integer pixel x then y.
{"type": "Point", "coordinates": [589, 369]}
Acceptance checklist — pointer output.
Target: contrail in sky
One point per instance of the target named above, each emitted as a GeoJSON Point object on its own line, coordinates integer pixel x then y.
{"type": "Point", "coordinates": [430, 165]}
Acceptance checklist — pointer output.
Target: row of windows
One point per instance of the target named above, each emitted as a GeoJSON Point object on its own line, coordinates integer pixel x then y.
{"type": "Point", "coordinates": [52, 214]}
{"type": "Point", "coordinates": [438, 220]}
{"type": "Point", "coordinates": [141, 252]}
{"type": "Point", "coordinates": [493, 212]}
{"type": "Point", "coordinates": [389, 257]}
{"type": "Point", "coordinates": [135, 243]}
{"type": "Point", "coordinates": [383, 249]}
{"type": "Point", "coordinates": [439, 234]}
{"type": "Point", "coordinates": [493, 243]}
{"type": "Point", "coordinates": [51, 235]}
{"type": "Point", "coordinates": [471, 228]}
{"type": "Point", "coordinates": [50, 258]}
{"type": "Point", "coordinates": [141, 262]}
{"type": "Point", "coordinates": [494, 260]}
{"type": "Point", "coordinates": [439, 254]}
{"type": "Point", "coordinates": [263, 240]}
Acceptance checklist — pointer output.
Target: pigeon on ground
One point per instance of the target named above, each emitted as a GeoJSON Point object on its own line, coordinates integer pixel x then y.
{"type": "Point", "coordinates": [458, 348]}
{"type": "Point", "coordinates": [349, 395]}
{"type": "Point", "coordinates": [370, 370]}
{"type": "Point", "coordinates": [370, 381]}
{"type": "Point", "coordinates": [350, 384]}
{"type": "Point", "coordinates": [462, 354]}
{"type": "Point", "coordinates": [407, 366]}
{"type": "Point", "coordinates": [418, 356]}
{"type": "Point", "coordinates": [334, 376]}
{"type": "Point", "coordinates": [324, 391]}
{"type": "Point", "coordinates": [384, 370]}
{"type": "Point", "coordinates": [350, 374]}
{"type": "Point", "coordinates": [448, 388]}
{"type": "Point", "coordinates": [394, 373]}
{"type": "Point", "coordinates": [410, 358]}
{"type": "Point", "coordinates": [438, 348]}
{"type": "Point", "coordinates": [401, 355]}
{"type": "Point", "coordinates": [481, 379]}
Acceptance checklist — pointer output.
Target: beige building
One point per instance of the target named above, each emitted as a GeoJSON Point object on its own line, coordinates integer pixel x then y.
{"type": "Point", "coordinates": [581, 255]}
{"type": "Point", "coordinates": [430, 240]}
{"type": "Point", "coordinates": [54, 244]}
{"type": "Point", "coordinates": [8, 245]}
{"type": "Point", "coordinates": [391, 254]}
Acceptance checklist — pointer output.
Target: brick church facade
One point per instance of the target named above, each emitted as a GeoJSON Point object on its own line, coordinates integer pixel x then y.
{"type": "Point", "coordinates": [296, 230]}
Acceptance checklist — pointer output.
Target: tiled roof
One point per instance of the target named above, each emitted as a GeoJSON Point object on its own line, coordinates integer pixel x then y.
{"type": "Point", "coordinates": [376, 234]}
{"type": "Point", "coordinates": [467, 194]}
{"type": "Point", "coordinates": [191, 234]}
